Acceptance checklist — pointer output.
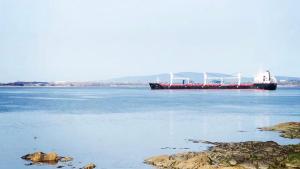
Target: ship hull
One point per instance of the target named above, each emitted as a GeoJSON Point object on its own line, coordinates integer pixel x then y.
{"type": "Point", "coordinates": [263, 86]}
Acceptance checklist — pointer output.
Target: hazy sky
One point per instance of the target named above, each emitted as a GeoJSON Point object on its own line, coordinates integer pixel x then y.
{"type": "Point", "coordinates": [82, 40]}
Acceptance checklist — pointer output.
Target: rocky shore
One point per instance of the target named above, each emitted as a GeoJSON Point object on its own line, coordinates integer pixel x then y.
{"type": "Point", "coordinates": [241, 155]}
{"type": "Point", "coordinates": [288, 130]}
{"type": "Point", "coordinates": [52, 158]}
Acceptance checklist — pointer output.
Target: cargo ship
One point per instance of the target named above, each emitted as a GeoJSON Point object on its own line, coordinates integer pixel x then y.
{"type": "Point", "coordinates": [263, 80]}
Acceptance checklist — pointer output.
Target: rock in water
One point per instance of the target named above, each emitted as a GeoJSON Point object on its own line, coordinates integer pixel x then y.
{"type": "Point", "coordinates": [187, 160]}
{"type": "Point", "coordinates": [89, 166]}
{"type": "Point", "coordinates": [66, 159]}
{"type": "Point", "coordinates": [34, 157]}
{"type": "Point", "coordinates": [40, 157]}
{"type": "Point", "coordinates": [288, 130]}
{"type": "Point", "coordinates": [158, 160]}
{"type": "Point", "coordinates": [50, 157]}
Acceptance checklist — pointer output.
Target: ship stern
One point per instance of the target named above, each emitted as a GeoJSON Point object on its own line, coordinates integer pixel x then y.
{"type": "Point", "coordinates": [266, 86]}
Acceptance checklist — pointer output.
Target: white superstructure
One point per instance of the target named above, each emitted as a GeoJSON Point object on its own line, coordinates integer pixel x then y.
{"type": "Point", "coordinates": [264, 77]}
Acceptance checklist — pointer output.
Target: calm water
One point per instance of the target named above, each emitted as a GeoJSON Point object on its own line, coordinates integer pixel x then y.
{"type": "Point", "coordinates": [120, 127]}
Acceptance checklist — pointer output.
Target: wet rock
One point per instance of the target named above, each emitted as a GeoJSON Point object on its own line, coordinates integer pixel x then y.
{"type": "Point", "coordinates": [158, 160]}
{"type": "Point", "coordinates": [288, 130]}
{"type": "Point", "coordinates": [66, 159]}
{"type": "Point", "coordinates": [89, 166]}
{"type": "Point", "coordinates": [232, 162]}
{"type": "Point", "coordinates": [28, 164]}
{"type": "Point", "coordinates": [179, 161]}
{"type": "Point", "coordinates": [184, 148]}
{"type": "Point", "coordinates": [242, 155]}
{"type": "Point", "coordinates": [34, 157]}
{"type": "Point", "coordinates": [41, 157]}
{"type": "Point", "coordinates": [203, 141]}
{"type": "Point", "coordinates": [52, 156]}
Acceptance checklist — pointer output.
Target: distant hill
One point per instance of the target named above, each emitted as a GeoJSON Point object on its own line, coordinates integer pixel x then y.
{"type": "Point", "coordinates": [195, 77]}
{"type": "Point", "coordinates": [165, 77]}
{"type": "Point", "coordinates": [288, 78]}
{"type": "Point", "coordinates": [288, 81]}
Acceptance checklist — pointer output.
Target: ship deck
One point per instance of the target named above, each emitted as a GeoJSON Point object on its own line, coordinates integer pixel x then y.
{"type": "Point", "coordinates": [206, 85]}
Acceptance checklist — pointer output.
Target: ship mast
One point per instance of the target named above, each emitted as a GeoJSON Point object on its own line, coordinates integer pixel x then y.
{"type": "Point", "coordinates": [238, 76]}
{"type": "Point", "coordinates": [171, 78]}
{"type": "Point", "coordinates": [178, 78]}
{"type": "Point", "coordinates": [205, 78]}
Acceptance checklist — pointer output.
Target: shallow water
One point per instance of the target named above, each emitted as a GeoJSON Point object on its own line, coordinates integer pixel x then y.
{"type": "Point", "coordinates": [120, 127]}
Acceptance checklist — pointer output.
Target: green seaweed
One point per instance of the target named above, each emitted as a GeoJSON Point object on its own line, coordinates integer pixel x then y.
{"type": "Point", "coordinates": [294, 159]}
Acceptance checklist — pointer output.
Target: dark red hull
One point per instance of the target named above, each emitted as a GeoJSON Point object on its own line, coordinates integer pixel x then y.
{"type": "Point", "coordinates": [268, 86]}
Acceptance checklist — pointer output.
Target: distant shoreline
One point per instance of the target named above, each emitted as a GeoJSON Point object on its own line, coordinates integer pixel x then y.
{"type": "Point", "coordinates": [142, 81]}
{"type": "Point", "coordinates": [106, 85]}
{"type": "Point", "coordinates": [74, 86]}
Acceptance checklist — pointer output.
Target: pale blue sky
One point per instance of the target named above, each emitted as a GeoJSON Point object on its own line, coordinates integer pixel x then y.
{"type": "Point", "coordinates": [51, 40]}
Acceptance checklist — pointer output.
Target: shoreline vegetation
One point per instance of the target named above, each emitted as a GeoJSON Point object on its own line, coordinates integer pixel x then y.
{"type": "Point", "coordinates": [289, 130]}
{"type": "Point", "coordinates": [239, 155]}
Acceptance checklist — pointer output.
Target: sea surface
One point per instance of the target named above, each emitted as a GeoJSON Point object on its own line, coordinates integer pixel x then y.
{"type": "Point", "coordinates": [117, 128]}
